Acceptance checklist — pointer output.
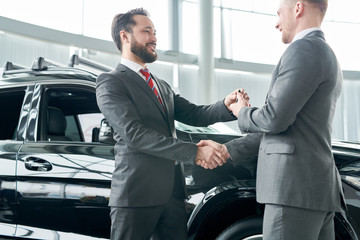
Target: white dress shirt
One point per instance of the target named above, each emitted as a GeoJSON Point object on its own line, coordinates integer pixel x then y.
{"type": "Point", "coordinates": [303, 33]}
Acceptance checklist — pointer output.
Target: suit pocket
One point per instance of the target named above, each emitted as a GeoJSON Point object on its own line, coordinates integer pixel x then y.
{"type": "Point", "coordinates": [280, 148]}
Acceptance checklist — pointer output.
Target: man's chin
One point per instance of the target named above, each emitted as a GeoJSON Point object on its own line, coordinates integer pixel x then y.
{"type": "Point", "coordinates": [147, 57]}
{"type": "Point", "coordinates": [153, 53]}
{"type": "Point", "coordinates": [154, 56]}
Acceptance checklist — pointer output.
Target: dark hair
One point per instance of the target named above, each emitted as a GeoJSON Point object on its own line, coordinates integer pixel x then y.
{"type": "Point", "coordinates": [125, 21]}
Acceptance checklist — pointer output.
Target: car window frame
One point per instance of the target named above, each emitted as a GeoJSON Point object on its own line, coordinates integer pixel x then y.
{"type": "Point", "coordinates": [44, 103]}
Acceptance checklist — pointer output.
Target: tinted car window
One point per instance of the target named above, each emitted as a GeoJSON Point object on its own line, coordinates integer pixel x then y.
{"type": "Point", "coordinates": [10, 108]}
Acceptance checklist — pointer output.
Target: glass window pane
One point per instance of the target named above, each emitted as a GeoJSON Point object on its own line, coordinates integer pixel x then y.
{"type": "Point", "coordinates": [10, 109]}
{"type": "Point", "coordinates": [98, 16]}
{"type": "Point", "coordinates": [90, 18]}
{"type": "Point", "coordinates": [190, 28]}
{"type": "Point", "coordinates": [217, 33]}
{"type": "Point", "coordinates": [243, 4]}
{"type": "Point", "coordinates": [344, 10]}
{"type": "Point", "coordinates": [255, 38]}
{"type": "Point", "coordinates": [65, 15]}
{"type": "Point", "coordinates": [265, 6]}
{"type": "Point", "coordinates": [88, 122]}
{"type": "Point", "coordinates": [72, 131]}
{"type": "Point", "coordinates": [344, 39]}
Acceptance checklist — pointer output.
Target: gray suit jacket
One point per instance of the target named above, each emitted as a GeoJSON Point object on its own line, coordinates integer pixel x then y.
{"type": "Point", "coordinates": [291, 133]}
{"type": "Point", "coordinates": [146, 146]}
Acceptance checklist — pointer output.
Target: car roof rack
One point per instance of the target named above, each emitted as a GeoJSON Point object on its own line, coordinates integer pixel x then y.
{"type": "Point", "coordinates": [11, 66]}
{"type": "Point", "coordinates": [76, 60]}
{"type": "Point", "coordinates": [40, 64]}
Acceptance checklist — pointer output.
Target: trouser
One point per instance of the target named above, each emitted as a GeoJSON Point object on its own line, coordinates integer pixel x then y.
{"type": "Point", "coordinates": [156, 222]}
{"type": "Point", "coordinates": [291, 223]}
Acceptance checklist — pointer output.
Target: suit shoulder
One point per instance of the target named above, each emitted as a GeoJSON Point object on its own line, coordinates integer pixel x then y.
{"type": "Point", "coordinates": [311, 43]}
{"type": "Point", "coordinates": [309, 49]}
{"type": "Point", "coordinates": [108, 76]}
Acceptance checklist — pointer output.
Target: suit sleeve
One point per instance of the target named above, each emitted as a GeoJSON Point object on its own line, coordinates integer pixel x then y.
{"type": "Point", "coordinates": [244, 148]}
{"type": "Point", "coordinates": [196, 115]}
{"type": "Point", "coordinates": [203, 115]}
{"type": "Point", "coordinates": [298, 77]}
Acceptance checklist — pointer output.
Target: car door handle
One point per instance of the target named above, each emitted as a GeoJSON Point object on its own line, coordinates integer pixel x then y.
{"type": "Point", "coordinates": [37, 164]}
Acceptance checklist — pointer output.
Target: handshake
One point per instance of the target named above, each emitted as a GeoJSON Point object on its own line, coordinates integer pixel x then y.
{"type": "Point", "coordinates": [211, 154]}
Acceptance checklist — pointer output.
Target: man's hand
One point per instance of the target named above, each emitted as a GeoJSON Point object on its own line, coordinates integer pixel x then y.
{"type": "Point", "coordinates": [211, 154]}
{"type": "Point", "coordinates": [242, 100]}
{"type": "Point", "coordinates": [233, 96]}
{"type": "Point", "coordinates": [230, 99]}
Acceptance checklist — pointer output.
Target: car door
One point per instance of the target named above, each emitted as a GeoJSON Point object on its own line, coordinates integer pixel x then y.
{"type": "Point", "coordinates": [13, 112]}
{"type": "Point", "coordinates": [350, 174]}
{"type": "Point", "coordinates": [63, 174]}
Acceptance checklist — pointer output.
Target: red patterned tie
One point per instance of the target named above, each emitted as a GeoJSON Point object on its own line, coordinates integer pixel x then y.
{"type": "Point", "coordinates": [150, 81]}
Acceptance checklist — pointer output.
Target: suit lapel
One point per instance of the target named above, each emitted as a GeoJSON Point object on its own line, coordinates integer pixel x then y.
{"type": "Point", "coordinates": [142, 85]}
{"type": "Point", "coordinates": [164, 94]}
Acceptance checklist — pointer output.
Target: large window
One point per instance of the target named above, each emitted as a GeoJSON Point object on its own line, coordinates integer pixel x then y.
{"type": "Point", "coordinates": [245, 30]}
{"type": "Point", "coordinates": [249, 36]}
{"type": "Point", "coordinates": [239, 30]}
{"type": "Point", "coordinates": [64, 15]}
{"type": "Point", "coordinates": [86, 17]}
{"type": "Point", "coordinates": [98, 16]}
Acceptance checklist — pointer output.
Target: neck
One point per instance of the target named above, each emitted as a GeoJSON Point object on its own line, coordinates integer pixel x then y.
{"type": "Point", "coordinates": [132, 57]}
{"type": "Point", "coordinates": [312, 17]}
{"type": "Point", "coordinates": [306, 23]}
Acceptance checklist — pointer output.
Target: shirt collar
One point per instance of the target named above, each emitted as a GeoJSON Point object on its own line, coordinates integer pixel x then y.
{"type": "Point", "coordinates": [303, 33]}
{"type": "Point", "coordinates": [132, 65]}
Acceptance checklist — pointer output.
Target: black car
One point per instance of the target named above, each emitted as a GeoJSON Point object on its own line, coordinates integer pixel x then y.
{"type": "Point", "coordinates": [56, 158]}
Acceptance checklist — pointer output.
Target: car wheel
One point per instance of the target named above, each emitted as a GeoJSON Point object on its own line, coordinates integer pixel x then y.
{"type": "Point", "coordinates": [245, 229]}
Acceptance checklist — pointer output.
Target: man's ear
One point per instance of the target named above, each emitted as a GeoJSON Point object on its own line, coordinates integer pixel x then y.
{"type": "Point", "coordinates": [124, 36]}
{"type": "Point", "coordinates": [299, 9]}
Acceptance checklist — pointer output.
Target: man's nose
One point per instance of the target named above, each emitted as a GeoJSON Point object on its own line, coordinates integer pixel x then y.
{"type": "Point", "coordinates": [153, 37]}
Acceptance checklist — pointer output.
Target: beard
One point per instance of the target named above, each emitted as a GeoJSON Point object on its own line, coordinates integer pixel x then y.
{"type": "Point", "coordinates": [142, 52]}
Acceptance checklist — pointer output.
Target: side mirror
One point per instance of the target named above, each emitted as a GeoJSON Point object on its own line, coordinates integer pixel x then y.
{"type": "Point", "coordinates": [106, 133]}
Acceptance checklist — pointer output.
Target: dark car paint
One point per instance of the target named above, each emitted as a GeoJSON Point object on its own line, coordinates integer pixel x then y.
{"type": "Point", "coordinates": [70, 195]}
{"type": "Point", "coordinates": [60, 190]}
